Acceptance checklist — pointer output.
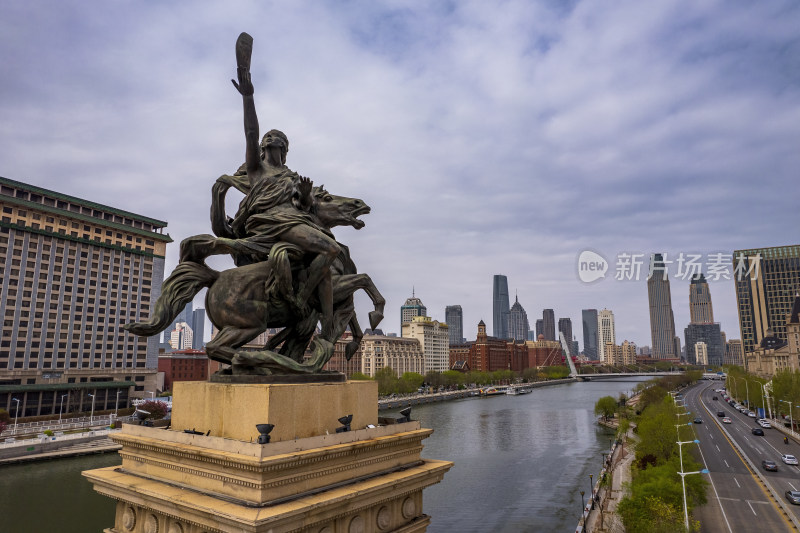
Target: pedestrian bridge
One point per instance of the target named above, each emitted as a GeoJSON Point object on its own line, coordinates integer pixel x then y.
{"type": "Point", "coordinates": [624, 376]}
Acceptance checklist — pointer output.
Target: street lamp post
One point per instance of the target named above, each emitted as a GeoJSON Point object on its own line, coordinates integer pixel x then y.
{"type": "Point", "coordinates": [116, 405]}
{"type": "Point", "coordinates": [91, 417]}
{"type": "Point", "coordinates": [683, 479]}
{"type": "Point", "coordinates": [791, 418]}
{"type": "Point", "coordinates": [16, 417]}
{"type": "Point", "coordinates": [61, 409]}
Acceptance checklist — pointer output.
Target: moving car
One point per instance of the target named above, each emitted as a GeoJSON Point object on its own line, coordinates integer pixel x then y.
{"type": "Point", "coordinates": [726, 420]}
{"type": "Point", "coordinates": [720, 413]}
{"type": "Point", "coordinates": [793, 496]}
{"type": "Point", "coordinates": [789, 459]}
{"type": "Point", "coordinates": [769, 465]}
{"type": "Point", "coordinates": [757, 431]}
{"type": "Point", "coordinates": [698, 420]}
{"type": "Point", "coordinates": [714, 398]}
{"type": "Point", "coordinates": [764, 424]}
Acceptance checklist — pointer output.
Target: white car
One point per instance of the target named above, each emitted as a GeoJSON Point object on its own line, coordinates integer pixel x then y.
{"type": "Point", "coordinates": [764, 424]}
{"type": "Point", "coordinates": [751, 414]}
{"type": "Point", "coordinates": [789, 459]}
{"type": "Point", "coordinates": [726, 420]}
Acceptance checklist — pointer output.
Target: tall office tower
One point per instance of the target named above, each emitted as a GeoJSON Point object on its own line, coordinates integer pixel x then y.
{"type": "Point", "coordinates": [73, 272]}
{"type": "Point", "coordinates": [454, 317]}
{"type": "Point", "coordinates": [700, 308]}
{"type": "Point", "coordinates": [434, 338]}
{"type": "Point", "coordinates": [589, 317]}
{"type": "Point", "coordinates": [549, 318]}
{"type": "Point", "coordinates": [413, 307]}
{"type": "Point", "coordinates": [539, 328]}
{"type": "Point", "coordinates": [198, 328]}
{"type": "Point", "coordinates": [605, 332]}
{"type": "Point", "coordinates": [662, 321]}
{"type": "Point", "coordinates": [186, 315]}
{"type": "Point", "coordinates": [181, 337]}
{"type": "Point", "coordinates": [565, 327]}
{"type": "Point", "coordinates": [766, 281]}
{"type": "Point", "coordinates": [500, 307]}
{"type": "Point", "coordinates": [518, 322]}
{"type": "Point", "coordinates": [702, 327]}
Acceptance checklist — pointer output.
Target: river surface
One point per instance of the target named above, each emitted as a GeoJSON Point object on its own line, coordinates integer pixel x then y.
{"type": "Point", "coordinates": [520, 462]}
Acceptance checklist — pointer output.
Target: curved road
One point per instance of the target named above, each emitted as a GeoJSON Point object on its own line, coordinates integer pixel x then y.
{"type": "Point", "coordinates": [738, 501]}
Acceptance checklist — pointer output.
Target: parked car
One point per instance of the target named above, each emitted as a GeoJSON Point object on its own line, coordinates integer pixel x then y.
{"type": "Point", "coordinates": [698, 420]}
{"type": "Point", "coordinates": [789, 459]}
{"type": "Point", "coordinates": [793, 496]}
{"type": "Point", "coordinates": [726, 420]}
{"type": "Point", "coordinates": [720, 413]}
{"type": "Point", "coordinates": [751, 414]}
{"type": "Point", "coordinates": [757, 431]}
{"type": "Point", "coordinates": [769, 465]}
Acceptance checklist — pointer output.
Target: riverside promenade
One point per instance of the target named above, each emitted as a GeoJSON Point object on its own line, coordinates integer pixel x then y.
{"type": "Point", "coordinates": [609, 490]}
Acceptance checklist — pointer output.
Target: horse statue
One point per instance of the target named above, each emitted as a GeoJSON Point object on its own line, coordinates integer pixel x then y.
{"type": "Point", "coordinates": [243, 302]}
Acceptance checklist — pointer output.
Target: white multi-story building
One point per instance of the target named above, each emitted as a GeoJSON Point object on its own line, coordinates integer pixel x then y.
{"type": "Point", "coordinates": [605, 332]}
{"type": "Point", "coordinates": [181, 337]}
{"type": "Point", "coordinates": [701, 353]}
{"type": "Point", "coordinates": [433, 337]}
{"type": "Point", "coordinates": [399, 354]}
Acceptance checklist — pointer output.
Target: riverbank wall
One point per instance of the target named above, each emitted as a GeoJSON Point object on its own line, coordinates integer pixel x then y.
{"type": "Point", "coordinates": [42, 448]}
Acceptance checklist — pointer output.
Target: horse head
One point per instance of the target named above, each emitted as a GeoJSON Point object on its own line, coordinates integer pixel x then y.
{"type": "Point", "coordinates": [332, 210]}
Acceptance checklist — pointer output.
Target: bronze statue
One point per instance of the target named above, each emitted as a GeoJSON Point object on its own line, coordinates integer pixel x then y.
{"type": "Point", "coordinates": [291, 272]}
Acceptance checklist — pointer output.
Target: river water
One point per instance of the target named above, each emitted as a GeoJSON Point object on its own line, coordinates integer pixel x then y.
{"type": "Point", "coordinates": [520, 462]}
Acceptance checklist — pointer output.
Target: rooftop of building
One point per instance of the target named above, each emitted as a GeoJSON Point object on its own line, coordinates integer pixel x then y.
{"type": "Point", "coordinates": [74, 199]}
{"type": "Point", "coordinates": [773, 252]}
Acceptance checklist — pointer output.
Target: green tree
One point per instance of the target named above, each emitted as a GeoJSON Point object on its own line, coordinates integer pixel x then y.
{"type": "Point", "coordinates": [410, 382]}
{"type": "Point", "coordinates": [606, 407]}
{"type": "Point", "coordinates": [387, 381]}
{"type": "Point", "coordinates": [358, 376]}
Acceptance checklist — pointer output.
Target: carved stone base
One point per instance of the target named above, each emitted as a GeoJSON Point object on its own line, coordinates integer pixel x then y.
{"type": "Point", "coordinates": [366, 480]}
{"type": "Point", "coordinates": [297, 411]}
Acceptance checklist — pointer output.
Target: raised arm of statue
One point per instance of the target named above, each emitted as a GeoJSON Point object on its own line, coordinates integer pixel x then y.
{"type": "Point", "coordinates": [253, 152]}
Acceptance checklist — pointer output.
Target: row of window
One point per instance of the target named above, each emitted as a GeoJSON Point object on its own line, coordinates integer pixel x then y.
{"type": "Point", "coordinates": [75, 208]}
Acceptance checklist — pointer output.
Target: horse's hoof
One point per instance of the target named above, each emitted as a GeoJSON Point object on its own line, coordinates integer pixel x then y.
{"type": "Point", "coordinates": [374, 319]}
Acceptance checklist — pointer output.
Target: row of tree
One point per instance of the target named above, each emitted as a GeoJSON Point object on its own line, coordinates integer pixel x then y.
{"type": "Point", "coordinates": [390, 383]}
{"type": "Point", "coordinates": [655, 501]}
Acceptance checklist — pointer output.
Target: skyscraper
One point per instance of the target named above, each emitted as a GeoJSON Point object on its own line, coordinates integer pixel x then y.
{"type": "Point", "coordinates": [565, 327]}
{"type": "Point", "coordinates": [518, 322]}
{"type": "Point", "coordinates": [181, 337]}
{"type": "Point", "coordinates": [500, 307]}
{"type": "Point", "coordinates": [539, 328]}
{"type": "Point", "coordinates": [454, 317]}
{"type": "Point", "coordinates": [413, 307]}
{"type": "Point", "coordinates": [766, 280]}
{"type": "Point", "coordinates": [702, 328]}
{"type": "Point", "coordinates": [198, 328]}
{"type": "Point", "coordinates": [73, 272]}
{"type": "Point", "coordinates": [605, 332]}
{"type": "Point", "coordinates": [549, 318]}
{"type": "Point", "coordinates": [589, 317]}
{"type": "Point", "coordinates": [700, 309]}
{"type": "Point", "coordinates": [662, 320]}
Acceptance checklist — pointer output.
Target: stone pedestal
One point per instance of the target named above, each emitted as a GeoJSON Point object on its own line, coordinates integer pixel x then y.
{"type": "Point", "coordinates": [368, 479]}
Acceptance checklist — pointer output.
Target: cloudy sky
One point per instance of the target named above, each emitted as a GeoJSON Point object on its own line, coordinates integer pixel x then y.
{"type": "Point", "coordinates": [488, 137]}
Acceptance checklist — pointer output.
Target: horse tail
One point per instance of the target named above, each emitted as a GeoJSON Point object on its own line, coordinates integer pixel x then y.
{"type": "Point", "coordinates": [179, 288]}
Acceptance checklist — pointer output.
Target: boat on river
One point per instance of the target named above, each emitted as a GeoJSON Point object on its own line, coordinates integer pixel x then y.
{"type": "Point", "coordinates": [492, 391]}
{"type": "Point", "coordinates": [514, 391]}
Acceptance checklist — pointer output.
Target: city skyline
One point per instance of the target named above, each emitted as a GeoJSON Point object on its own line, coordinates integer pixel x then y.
{"type": "Point", "coordinates": [632, 138]}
